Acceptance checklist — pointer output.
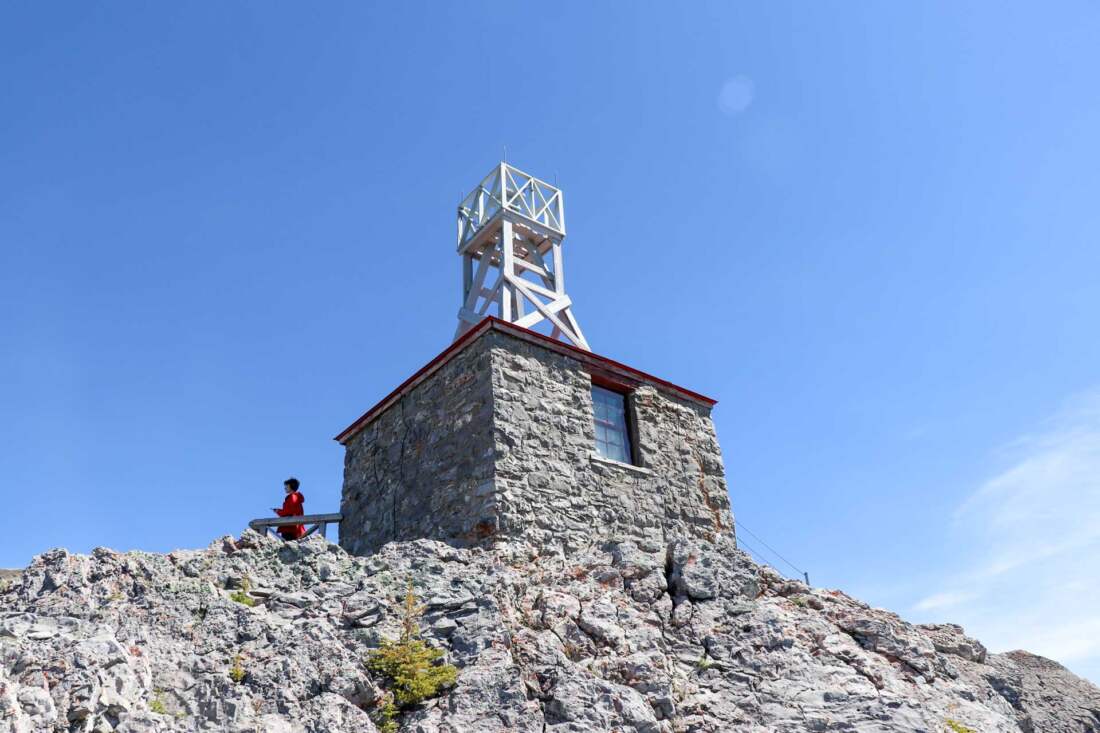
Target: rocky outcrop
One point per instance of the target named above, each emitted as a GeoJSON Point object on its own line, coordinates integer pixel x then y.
{"type": "Point", "coordinates": [259, 635]}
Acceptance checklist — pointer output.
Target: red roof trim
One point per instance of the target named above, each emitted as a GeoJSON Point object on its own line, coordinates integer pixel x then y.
{"type": "Point", "coordinates": [415, 379]}
{"type": "Point", "coordinates": [493, 323]}
{"type": "Point", "coordinates": [587, 356]}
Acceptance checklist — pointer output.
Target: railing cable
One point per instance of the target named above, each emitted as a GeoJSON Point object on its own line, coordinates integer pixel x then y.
{"type": "Point", "coordinates": [760, 539]}
{"type": "Point", "coordinates": [756, 554]}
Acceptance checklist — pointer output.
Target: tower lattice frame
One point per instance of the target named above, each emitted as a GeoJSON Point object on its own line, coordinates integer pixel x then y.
{"type": "Point", "coordinates": [510, 232]}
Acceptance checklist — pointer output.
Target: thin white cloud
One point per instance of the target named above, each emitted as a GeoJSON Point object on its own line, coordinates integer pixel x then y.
{"type": "Point", "coordinates": [943, 600]}
{"type": "Point", "coordinates": [736, 95]}
{"type": "Point", "coordinates": [1032, 579]}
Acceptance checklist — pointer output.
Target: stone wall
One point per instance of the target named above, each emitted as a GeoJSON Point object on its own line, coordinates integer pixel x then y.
{"type": "Point", "coordinates": [499, 445]}
{"type": "Point", "coordinates": [424, 467]}
{"type": "Point", "coordinates": [554, 488]}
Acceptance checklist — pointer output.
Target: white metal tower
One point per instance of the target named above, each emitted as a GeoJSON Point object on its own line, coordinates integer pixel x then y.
{"type": "Point", "coordinates": [513, 224]}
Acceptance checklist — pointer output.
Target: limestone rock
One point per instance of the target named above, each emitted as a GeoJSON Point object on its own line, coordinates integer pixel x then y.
{"type": "Point", "coordinates": [628, 635]}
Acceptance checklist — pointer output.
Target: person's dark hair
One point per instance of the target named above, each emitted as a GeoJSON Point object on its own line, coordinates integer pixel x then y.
{"type": "Point", "coordinates": [292, 482]}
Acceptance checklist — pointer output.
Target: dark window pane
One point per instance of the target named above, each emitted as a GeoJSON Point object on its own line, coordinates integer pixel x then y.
{"type": "Point", "coordinates": [612, 432]}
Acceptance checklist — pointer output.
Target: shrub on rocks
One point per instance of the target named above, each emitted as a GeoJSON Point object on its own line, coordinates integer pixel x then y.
{"type": "Point", "coordinates": [409, 666]}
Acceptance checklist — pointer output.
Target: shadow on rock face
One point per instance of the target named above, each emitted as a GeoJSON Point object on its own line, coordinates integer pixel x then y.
{"type": "Point", "coordinates": [255, 634]}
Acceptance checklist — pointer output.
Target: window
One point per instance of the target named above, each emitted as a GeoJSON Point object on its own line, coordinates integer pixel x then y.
{"type": "Point", "coordinates": [612, 433]}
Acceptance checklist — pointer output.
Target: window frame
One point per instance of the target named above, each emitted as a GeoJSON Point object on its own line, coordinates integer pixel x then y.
{"type": "Point", "coordinates": [629, 428]}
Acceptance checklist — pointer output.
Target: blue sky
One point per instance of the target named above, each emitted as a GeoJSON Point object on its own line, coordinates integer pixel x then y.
{"type": "Point", "coordinates": [869, 230]}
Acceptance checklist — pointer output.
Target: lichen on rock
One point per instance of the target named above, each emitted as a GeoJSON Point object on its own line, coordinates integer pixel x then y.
{"type": "Point", "coordinates": [624, 635]}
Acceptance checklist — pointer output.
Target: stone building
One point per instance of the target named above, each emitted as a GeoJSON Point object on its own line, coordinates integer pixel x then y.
{"type": "Point", "coordinates": [512, 436]}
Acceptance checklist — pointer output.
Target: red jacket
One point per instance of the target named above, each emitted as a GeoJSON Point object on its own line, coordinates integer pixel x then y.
{"type": "Point", "coordinates": [292, 507]}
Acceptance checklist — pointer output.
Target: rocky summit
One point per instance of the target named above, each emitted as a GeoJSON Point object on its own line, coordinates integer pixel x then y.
{"type": "Point", "coordinates": [254, 634]}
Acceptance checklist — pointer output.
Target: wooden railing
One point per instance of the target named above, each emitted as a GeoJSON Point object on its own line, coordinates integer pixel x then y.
{"type": "Point", "coordinates": [319, 521]}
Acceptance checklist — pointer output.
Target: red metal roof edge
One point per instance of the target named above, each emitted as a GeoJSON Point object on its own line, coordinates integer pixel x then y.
{"type": "Point", "coordinates": [494, 323]}
{"type": "Point", "coordinates": [431, 366]}
{"type": "Point", "coordinates": [583, 355]}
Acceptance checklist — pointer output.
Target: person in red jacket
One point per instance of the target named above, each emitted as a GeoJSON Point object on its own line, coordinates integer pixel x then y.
{"type": "Point", "coordinates": [292, 507]}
